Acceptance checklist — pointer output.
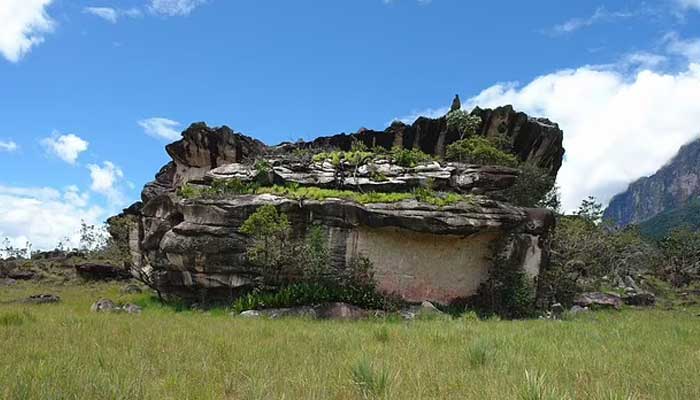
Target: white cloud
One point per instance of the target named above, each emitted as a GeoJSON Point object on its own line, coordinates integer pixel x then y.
{"type": "Point", "coordinates": [617, 127]}
{"type": "Point", "coordinates": [601, 14]}
{"type": "Point", "coordinates": [107, 13]}
{"type": "Point", "coordinates": [161, 128]}
{"type": "Point", "coordinates": [23, 24]}
{"type": "Point", "coordinates": [421, 2]}
{"type": "Point", "coordinates": [66, 147]}
{"type": "Point", "coordinates": [44, 216]}
{"type": "Point", "coordinates": [694, 4]}
{"type": "Point", "coordinates": [8, 146]}
{"type": "Point", "coordinates": [113, 14]}
{"type": "Point", "coordinates": [106, 180]}
{"type": "Point", "coordinates": [172, 8]}
{"type": "Point", "coordinates": [689, 49]}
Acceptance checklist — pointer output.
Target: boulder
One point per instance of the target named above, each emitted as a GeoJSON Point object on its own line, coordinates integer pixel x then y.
{"type": "Point", "coordinates": [42, 299]}
{"type": "Point", "coordinates": [131, 289]}
{"type": "Point", "coordinates": [599, 300]}
{"type": "Point", "coordinates": [340, 311]}
{"type": "Point", "coordinates": [644, 299]}
{"type": "Point", "coordinates": [131, 308]}
{"type": "Point", "coordinates": [21, 275]}
{"type": "Point", "coordinates": [575, 309]}
{"type": "Point", "coordinates": [193, 248]}
{"type": "Point", "coordinates": [7, 282]}
{"type": "Point", "coordinates": [103, 305]}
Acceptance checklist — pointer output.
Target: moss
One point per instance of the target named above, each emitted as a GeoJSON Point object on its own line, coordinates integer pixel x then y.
{"type": "Point", "coordinates": [234, 187]}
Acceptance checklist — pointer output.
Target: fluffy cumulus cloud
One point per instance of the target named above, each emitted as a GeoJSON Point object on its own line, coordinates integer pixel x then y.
{"type": "Point", "coordinates": [162, 128]}
{"type": "Point", "coordinates": [172, 8]}
{"type": "Point", "coordinates": [8, 146]}
{"type": "Point", "coordinates": [66, 147]}
{"type": "Point", "coordinates": [23, 24]}
{"type": "Point", "coordinates": [44, 216]}
{"type": "Point", "coordinates": [616, 127]}
{"type": "Point", "coordinates": [106, 180]}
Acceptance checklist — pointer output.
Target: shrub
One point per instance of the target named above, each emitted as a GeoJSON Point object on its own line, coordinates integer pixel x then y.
{"type": "Point", "coordinates": [479, 150]}
{"type": "Point", "coordinates": [408, 158]}
{"type": "Point", "coordinates": [508, 291]}
{"type": "Point", "coordinates": [681, 251]}
{"type": "Point", "coordinates": [532, 188]}
{"type": "Point", "coordinates": [272, 251]}
{"type": "Point", "coordinates": [463, 122]}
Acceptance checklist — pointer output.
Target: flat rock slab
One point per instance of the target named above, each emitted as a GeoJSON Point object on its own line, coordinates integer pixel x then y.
{"type": "Point", "coordinates": [599, 300]}
{"type": "Point", "coordinates": [42, 299]}
{"type": "Point", "coordinates": [108, 306]}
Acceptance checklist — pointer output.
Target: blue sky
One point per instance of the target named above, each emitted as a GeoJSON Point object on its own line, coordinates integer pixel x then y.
{"type": "Point", "coordinates": [93, 90]}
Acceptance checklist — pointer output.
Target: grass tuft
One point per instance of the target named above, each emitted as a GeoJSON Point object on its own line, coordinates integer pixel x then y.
{"type": "Point", "coordinates": [369, 382]}
{"type": "Point", "coordinates": [16, 318]}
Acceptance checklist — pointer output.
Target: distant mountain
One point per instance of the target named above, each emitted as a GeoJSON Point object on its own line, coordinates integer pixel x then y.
{"type": "Point", "coordinates": [670, 188]}
{"type": "Point", "coordinates": [662, 224]}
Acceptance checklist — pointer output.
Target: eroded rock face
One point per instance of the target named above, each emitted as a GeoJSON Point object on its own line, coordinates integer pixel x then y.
{"type": "Point", "coordinates": [193, 248]}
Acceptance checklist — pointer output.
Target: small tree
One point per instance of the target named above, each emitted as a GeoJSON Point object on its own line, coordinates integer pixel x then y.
{"type": "Point", "coordinates": [463, 122]}
{"type": "Point", "coordinates": [272, 249]}
{"type": "Point", "coordinates": [480, 150]}
{"type": "Point", "coordinates": [590, 210]}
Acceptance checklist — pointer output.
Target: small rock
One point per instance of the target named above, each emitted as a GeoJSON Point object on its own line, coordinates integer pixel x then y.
{"type": "Point", "coordinates": [250, 314]}
{"type": "Point", "coordinates": [424, 309]}
{"type": "Point", "coordinates": [640, 299]}
{"type": "Point", "coordinates": [599, 299]}
{"type": "Point", "coordinates": [131, 289]}
{"type": "Point", "coordinates": [7, 282]}
{"type": "Point", "coordinates": [428, 307]}
{"type": "Point", "coordinates": [42, 299]}
{"type": "Point", "coordinates": [103, 305]}
{"type": "Point", "coordinates": [557, 310]}
{"type": "Point", "coordinates": [578, 310]}
{"type": "Point", "coordinates": [340, 311]}
{"type": "Point", "coordinates": [131, 309]}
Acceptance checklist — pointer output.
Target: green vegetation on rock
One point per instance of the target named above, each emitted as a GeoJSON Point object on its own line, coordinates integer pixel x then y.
{"type": "Point", "coordinates": [480, 150]}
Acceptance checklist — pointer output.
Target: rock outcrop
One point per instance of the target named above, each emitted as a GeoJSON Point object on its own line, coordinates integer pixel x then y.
{"type": "Point", "coordinates": [193, 247]}
{"type": "Point", "coordinates": [670, 188]}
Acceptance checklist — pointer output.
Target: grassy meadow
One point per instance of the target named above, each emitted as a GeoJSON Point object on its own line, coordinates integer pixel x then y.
{"type": "Point", "coordinates": [63, 351]}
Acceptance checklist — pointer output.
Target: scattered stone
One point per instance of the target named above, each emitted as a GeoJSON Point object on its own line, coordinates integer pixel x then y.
{"type": "Point", "coordinates": [599, 300]}
{"type": "Point", "coordinates": [424, 309]}
{"type": "Point", "coordinates": [108, 306]}
{"type": "Point", "coordinates": [578, 310]}
{"type": "Point", "coordinates": [103, 305]}
{"type": "Point", "coordinates": [131, 308]}
{"type": "Point", "coordinates": [340, 311]}
{"type": "Point", "coordinates": [250, 314]}
{"type": "Point", "coordinates": [644, 299]}
{"type": "Point", "coordinates": [131, 289]}
{"type": "Point", "coordinates": [42, 299]}
{"type": "Point", "coordinates": [7, 282]}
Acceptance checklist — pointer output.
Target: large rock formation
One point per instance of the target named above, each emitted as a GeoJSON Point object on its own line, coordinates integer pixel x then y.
{"type": "Point", "coordinates": [671, 187]}
{"type": "Point", "coordinates": [193, 247]}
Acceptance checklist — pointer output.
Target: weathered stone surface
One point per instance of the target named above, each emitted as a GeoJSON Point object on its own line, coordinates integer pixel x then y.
{"type": "Point", "coordinates": [598, 299]}
{"type": "Point", "coordinates": [193, 248]}
{"type": "Point", "coordinates": [131, 289]}
{"type": "Point", "coordinates": [42, 299]}
{"type": "Point", "coordinates": [340, 311]}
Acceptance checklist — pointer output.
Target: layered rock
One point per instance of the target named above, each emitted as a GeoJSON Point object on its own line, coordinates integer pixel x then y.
{"type": "Point", "coordinates": [193, 248]}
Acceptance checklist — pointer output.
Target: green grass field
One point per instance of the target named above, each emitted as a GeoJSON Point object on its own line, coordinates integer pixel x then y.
{"type": "Point", "coordinates": [64, 351]}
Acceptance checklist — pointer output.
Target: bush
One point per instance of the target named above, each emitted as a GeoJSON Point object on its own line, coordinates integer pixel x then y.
{"type": "Point", "coordinates": [508, 292]}
{"type": "Point", "coordinates": [408, 158]}
{"type": "Point", "coordinates": [463, 122]}
{"type": "Point", "coordinates": [479, 150]}
{"type": "Point", "coordinates": [531, 189]}
{"type": "Point", "coordinates": [272, 250]}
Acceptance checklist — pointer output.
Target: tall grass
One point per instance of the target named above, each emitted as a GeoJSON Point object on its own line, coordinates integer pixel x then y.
{"type": "Point", "coordinates": [64, 351]}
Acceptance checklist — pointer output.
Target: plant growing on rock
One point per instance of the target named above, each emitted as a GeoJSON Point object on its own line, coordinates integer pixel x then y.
{"type": "Point", "coordinates": [479, 150]}
{"type": "Point", "coordinates": [532, 188]}
{"type": "Point", "coordinates": [463, 122]}
{"type": "Point", "coordinates": [272, 251]}
{"type": "Point", "coordinates": [408, 158]}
